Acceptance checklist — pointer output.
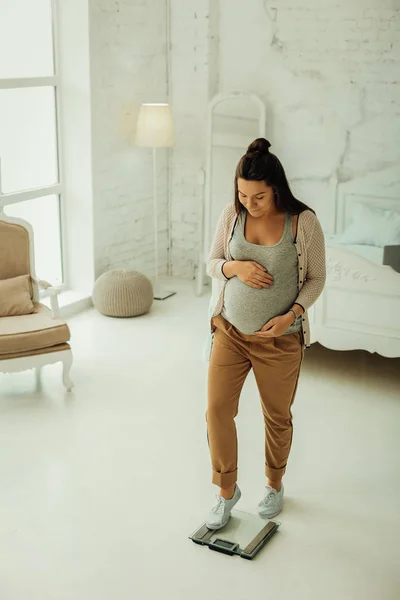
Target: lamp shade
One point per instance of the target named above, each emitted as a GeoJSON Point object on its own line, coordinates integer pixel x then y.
{"type": "Point", "coordinates": [155, 127]}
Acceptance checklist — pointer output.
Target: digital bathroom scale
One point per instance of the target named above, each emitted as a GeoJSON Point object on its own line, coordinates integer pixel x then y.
{"type": "Point", "coordinates": [244, 535]}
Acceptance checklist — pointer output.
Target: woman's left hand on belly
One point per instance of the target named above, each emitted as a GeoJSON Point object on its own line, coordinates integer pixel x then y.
{"type": "Point", "coordinates": [276, 326]}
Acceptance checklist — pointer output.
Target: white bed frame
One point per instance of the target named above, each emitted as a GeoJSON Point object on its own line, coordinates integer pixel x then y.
{"type": "Point", "coordinates": [360, 306]}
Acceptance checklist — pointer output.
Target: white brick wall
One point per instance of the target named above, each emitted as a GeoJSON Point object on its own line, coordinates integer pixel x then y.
{"type": "Point", "coordinates": [329, 72]}
{"type": "Point", "coordinates": [327, 69]}
{"type": "Point", "coordinates": [128, 67]}
{"type": "Point", "coordinates": [192, 74]}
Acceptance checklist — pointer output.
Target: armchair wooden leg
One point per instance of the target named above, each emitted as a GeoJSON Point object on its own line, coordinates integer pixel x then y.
{"type": "Point", "coordinates": [67, 363]}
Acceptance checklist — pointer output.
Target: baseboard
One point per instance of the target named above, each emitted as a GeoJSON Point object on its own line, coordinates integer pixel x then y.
{"type": "Point", "coordinates": [74, 307]}
{"type": "Point", "coordinates": [71, 302]}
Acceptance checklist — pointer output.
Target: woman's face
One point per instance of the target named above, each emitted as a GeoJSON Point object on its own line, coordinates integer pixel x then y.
{"type": "Point", "coordinates": [256, 196]}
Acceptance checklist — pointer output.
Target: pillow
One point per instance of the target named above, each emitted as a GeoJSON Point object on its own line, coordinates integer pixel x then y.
{"type": "Point", "coordinates": [372, 226]}
{"type": "Point", "coordinates": [16, 296]}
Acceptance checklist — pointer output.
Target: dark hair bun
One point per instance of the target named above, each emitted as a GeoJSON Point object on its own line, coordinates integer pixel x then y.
{"type": "Point", "coordinates": [259, 145]}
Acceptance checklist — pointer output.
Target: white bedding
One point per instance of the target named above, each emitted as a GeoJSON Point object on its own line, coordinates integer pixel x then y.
{"type": "Point", "coordinates": [371, 253]}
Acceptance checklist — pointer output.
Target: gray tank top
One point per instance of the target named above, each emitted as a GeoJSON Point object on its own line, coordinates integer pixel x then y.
{"type": "Point", "coordinates": [249, 309]}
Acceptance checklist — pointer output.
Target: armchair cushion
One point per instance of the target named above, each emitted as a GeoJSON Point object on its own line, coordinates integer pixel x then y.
{"type": "Point", "coordinates": [50, 350]}
{"type": "Point", "coordinates": [32, 332]}
{"type": "Point", "coordinates": [16, 296]}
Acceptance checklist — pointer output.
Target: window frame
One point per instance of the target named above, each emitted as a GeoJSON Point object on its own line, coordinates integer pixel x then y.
{"type": "Point", "coordinates": [58, 187]}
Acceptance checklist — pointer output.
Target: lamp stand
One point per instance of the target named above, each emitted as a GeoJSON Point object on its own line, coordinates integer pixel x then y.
{"type": "Point", "coordinates": [159, 293]}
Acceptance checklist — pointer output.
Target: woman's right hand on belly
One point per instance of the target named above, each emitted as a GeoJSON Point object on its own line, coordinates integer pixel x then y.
{"type": "Point", "coordinates": [254, 275]}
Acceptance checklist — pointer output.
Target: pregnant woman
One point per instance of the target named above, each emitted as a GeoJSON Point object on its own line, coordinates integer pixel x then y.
{"type": "Point", "coordinates": [269, 256]}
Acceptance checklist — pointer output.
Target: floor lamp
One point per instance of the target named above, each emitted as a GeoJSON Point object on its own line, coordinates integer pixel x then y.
{"type": "Point", "coordinates": [155, 129]}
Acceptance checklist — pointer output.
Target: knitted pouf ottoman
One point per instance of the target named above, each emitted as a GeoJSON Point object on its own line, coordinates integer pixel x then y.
{"type": "Point", "coordinates": [122, 293]}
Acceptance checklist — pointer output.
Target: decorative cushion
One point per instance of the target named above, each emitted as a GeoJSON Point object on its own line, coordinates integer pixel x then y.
{"type": "Point", "coordinates": [122, 293]}
{"type": "Point", "coordinates": [372, 226]}
{"type": "Point", "coordinates": [32, 332]}
{"type": "Point", "coordinates": [14, 250]}
{"type": "Point", "coordinates": [16, 296]}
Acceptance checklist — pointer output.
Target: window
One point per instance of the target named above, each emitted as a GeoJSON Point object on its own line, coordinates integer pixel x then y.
{"type": "Point", "coordinates": [30, 184]}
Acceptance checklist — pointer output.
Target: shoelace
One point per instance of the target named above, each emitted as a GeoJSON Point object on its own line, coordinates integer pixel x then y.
{"type": "Point", "coordinates": [220, 506]}
{"type": "Point", "coordinates": [269, 496]}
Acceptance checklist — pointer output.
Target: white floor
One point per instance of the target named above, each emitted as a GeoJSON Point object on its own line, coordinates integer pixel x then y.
{"type": "Point", "coordinates": [99, 490]}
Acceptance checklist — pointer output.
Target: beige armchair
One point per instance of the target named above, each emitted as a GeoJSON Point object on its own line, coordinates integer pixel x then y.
{"type": "Point", "coordinates": [31, 335]}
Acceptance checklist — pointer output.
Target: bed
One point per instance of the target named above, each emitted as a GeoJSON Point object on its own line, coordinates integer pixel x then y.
{"type": "Point", "coordinates": [360, 305]}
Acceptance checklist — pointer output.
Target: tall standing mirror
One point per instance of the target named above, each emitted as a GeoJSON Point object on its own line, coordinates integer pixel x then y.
{"type": "Point", "coordinates": [234, 120]}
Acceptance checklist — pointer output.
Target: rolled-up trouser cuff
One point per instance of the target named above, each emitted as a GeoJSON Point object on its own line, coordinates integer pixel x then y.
{"type": "Point", "coordinates": [274, 474]}
{"type": "Point", "coordinates": [224, 480]}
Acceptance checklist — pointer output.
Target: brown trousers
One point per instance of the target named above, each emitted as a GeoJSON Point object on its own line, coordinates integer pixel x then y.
{"type": "Point", "coordinates": [276, 364]}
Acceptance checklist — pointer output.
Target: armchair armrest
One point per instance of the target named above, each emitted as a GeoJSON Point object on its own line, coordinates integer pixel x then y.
{"type": "Point", "coordinates": [46, 290]}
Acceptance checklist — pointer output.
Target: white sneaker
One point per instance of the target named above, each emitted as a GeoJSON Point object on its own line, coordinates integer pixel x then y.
{"type": "Point", "coordinates": [220, 514]}
{"type": "Point", "coordinates": [272, 503]}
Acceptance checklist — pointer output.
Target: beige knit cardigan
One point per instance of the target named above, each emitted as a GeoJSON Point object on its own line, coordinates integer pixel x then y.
{"type": "Point", "coordinates": [310, 245]}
